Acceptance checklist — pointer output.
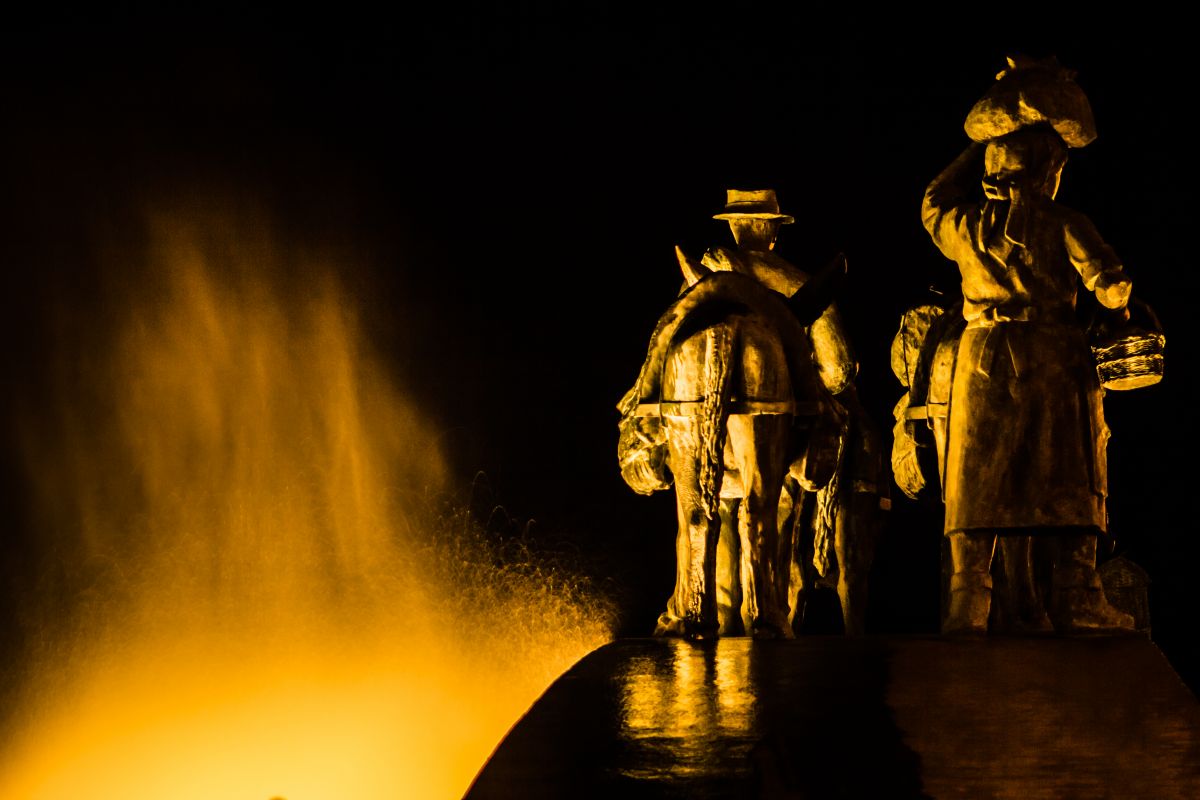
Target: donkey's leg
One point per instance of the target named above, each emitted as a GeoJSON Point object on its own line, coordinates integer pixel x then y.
{"type": "Point", "coordinates": [760, 443]}
{"type": "Point", "coordinates": [692, 609]}
{"type": "Point", "coordinates": [856, 535]}
{"type": "Point", "coordinates": [729, 570]}
{"type": "Point", "coordinates": [794, 505]}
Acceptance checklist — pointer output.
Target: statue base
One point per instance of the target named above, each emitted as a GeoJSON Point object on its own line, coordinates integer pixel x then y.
{"type": "Point", "coordinates": [857, 717]}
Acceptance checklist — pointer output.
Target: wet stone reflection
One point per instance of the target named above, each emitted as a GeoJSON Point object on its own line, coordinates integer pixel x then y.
{"type": "Point", "coordinates": [735, 717]}
{"type": "Point", "coordinates": [690, 716]}
{"type": "Point", "coordinates": [871, 717]}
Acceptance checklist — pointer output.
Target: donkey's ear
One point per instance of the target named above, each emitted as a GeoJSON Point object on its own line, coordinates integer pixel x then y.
{"type": "Point", "coordinates": [693, 271]}
{"type": "Point", "coordinates": [811, 300]}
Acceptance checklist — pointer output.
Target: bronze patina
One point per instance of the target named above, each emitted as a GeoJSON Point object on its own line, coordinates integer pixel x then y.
{"type": "Point", "coordinates": [1015, 399]}
{"type": "Point", "coordinates": [747, 397]}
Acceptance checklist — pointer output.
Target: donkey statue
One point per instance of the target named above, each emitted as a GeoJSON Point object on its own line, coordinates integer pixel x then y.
{"type": "Point", "coordinates": [730, 401]}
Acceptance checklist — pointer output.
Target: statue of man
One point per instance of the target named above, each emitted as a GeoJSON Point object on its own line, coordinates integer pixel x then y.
{"type": "Point", "coordinates": [754, 220]}
{"type": "Point", "coordinates": [847, 522]}
{"type": "Point", "coordinates": [1026, 437]}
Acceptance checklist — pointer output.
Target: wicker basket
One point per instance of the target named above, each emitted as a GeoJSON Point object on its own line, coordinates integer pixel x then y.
{"type": "Point", "coordinates": [1132, 361]}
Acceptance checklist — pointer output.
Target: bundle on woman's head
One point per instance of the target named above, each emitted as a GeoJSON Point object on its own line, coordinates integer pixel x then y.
{"type": "Point", "coordinates": [1033, 93]}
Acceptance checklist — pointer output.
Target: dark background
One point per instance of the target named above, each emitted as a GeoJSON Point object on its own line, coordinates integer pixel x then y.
{"type": "Point", "coordinates": [516, 178]}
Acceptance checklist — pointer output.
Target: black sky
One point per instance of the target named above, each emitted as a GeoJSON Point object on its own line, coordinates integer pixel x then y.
{"type": "Point", "coordinates": [516, 179]}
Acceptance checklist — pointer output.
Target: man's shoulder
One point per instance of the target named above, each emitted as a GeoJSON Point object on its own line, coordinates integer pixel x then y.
{"type": "Point", "coordinates": [765, 266]}
{"type": "Point", "coordinates": [775, 261]}
{"type": "Point", "coordinates": [724, 259]}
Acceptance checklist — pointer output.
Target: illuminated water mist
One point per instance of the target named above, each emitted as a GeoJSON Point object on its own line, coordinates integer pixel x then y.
{"type": "Point", "coordinates": [247, 582]}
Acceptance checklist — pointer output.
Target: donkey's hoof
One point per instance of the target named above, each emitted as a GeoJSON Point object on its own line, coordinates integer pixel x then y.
{"type": "Point", "coordinates": [690, 629]}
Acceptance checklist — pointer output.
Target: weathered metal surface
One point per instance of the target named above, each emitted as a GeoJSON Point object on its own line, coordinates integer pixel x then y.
{"type": "Point", "coordinates": [1022, 446]}
{"type": "Point", "coordinates": [747, 399]}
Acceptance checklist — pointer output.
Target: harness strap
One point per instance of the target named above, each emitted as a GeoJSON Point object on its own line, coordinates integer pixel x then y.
{"type": "Point", "coordinates": [930, 411]}
{"type": "Point", "coordinates": [691, 408]}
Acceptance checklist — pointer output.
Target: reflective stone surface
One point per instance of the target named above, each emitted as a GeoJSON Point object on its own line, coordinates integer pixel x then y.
{"type": "Point", "coordinates": [858, 717]}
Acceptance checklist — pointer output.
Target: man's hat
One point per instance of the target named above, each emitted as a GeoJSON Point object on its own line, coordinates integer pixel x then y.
{"type": "Point", "coordinates": [753, 204]}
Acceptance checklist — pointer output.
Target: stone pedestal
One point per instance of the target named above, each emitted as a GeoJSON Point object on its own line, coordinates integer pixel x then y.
{"type": "Point", "coordinates": [871, 717]}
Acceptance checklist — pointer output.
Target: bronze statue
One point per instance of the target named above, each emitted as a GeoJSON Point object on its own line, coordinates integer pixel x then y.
{"type": "Point", "coordinates": [833, 528]}
{"type": "Point", "coordinates": [922, 359]}
{"type": "Point", "coordinates": [1022, 440]}
{"type": "Point", "coordinates": [743, 408]}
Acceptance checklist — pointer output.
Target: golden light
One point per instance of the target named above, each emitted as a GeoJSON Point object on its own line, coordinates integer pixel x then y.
{"type": "Point", "coordinates": [680, 722]}
{"type": "Point", "coordinates": [265, 595]}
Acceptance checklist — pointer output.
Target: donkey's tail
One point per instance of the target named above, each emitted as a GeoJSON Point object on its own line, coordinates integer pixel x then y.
{"type": "Point", "coordinates": [714, 412]}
